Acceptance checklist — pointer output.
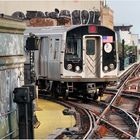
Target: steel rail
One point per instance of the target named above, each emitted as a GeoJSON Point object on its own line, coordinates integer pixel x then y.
{"type": "Point", "coordinates": [89, 133]}
{"type": "Point", "coordinates": [126, 74]}
{"type": "Point", "coordinates": [133, 117]}
{"type": "Point", "coordinates": [91, 118]}
{"type": "Point", "coordinates": [118, 93]}
{"type": "Point", "coordinates": [116, 130]}
{"type": "Point", "coordinates": [124, 93]}
{"type": "Point", "coordinates": [127, 115]}
{"type": "Point", "coordinates": [111, 126]}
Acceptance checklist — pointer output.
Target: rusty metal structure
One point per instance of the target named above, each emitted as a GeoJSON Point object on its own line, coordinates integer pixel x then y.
{"type": "Point", "coordinates": [11, 72]}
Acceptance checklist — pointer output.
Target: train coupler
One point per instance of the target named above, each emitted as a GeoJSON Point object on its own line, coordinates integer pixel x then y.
{"type": "Point", "coordinates": [91, 88]}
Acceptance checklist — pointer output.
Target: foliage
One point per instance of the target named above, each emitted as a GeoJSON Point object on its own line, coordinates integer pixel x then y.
{"type": "Point", "coordinates": [127, 50]}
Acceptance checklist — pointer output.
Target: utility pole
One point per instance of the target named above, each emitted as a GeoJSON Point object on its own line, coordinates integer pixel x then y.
{"type": "Point", "coordinates": [105, 3]}
{"type": "Point", "coordinates": [25, 95]}
{"type": "Point", "coordinates": [123, 57]}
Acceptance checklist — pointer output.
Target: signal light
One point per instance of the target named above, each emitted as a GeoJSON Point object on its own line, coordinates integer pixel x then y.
{"type": "Point", "coordinates": [92, 29]}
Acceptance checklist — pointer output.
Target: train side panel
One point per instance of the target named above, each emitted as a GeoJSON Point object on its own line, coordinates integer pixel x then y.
{"type": "Point", "coordinates": [47, 58]}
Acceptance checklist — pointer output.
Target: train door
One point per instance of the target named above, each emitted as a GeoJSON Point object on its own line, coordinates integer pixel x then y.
{"type": "Point", "coordinates": [54, 57]}
{"type": "Point", "coordinates": [43, 57]}
{"type": "Point", "coordinates": [91, 55]}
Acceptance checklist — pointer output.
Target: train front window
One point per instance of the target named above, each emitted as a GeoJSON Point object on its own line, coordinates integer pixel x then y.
{"type": "Point", "coordinates": [73, 55]}
{"type": "Point", "coordinates": [90, 47]}
{"type": "Point", "coordinates": [73, 48]}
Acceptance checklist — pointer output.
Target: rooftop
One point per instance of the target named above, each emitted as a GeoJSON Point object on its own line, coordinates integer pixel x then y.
{"type": "Point", "coordinates": [123, 27]}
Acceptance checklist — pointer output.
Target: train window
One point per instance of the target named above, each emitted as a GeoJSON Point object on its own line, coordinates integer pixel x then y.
{"type": "Point", "coordinates": [90, 47]}
{"type": "Point", "coordinates": [73, 48]}
{"type": "Point", "coordinates": [56, 48]}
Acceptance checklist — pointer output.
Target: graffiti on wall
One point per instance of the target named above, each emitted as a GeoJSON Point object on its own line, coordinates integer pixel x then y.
{"type": "Point", "coordinates": [76, 16]}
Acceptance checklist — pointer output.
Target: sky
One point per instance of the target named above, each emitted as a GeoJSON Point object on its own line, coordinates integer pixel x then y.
{"type": "Point", "coordinates": [126, 12]}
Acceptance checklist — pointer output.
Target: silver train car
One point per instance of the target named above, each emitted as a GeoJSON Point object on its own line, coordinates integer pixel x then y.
{"type": "Point", "coordinates": [73, 60]}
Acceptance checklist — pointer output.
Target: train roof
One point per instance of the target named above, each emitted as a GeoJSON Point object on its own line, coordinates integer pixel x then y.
{"type": "Point", "coordinates": [48, 30]}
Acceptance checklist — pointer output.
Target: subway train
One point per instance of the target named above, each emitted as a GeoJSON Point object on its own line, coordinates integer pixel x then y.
{"type": "Point", "coordinates": [74, 60]}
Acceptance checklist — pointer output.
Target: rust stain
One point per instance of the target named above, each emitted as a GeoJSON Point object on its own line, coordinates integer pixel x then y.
{"type": "Point", "coordinates": [97, 113]}
{"type": "Point", "coordinates": [64, 21]}
{"type": "Point", "coordinates": [37, 22]}
{"type": "Point", "coordinates": [102, 131]}
{"type": "Point", "coordinates": [136, 79]}
{"type": "Point", "coordinates": [42, 22]}
{"type": "Point", "coordinates": [118, 101]}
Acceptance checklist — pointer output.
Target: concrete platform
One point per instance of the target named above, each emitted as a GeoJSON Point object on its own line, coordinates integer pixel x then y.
{"type": "Point", "coordinates": [51, 117]}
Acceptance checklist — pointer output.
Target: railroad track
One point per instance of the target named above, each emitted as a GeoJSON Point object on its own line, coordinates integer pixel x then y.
{"type": "Point", "coordinates": [118, 116]}
{"type": "Point", "coordinates": [129, 102]}
{"type": "Point", "coordinates": [131, 71]}
{"type": "Point", "coordinates": [113, 126]}
{"type": "Point", "coordinates": [84, 122]}
{"type": "Point", "coordinates": [118, 125]}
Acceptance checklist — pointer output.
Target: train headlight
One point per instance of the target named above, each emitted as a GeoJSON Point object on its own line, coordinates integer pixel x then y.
{"type": "Point", "coordinates": [69, 66]}
{"type": "Point", "coordinates": [77, 68]}
{"type": "Point", "coordinates": [108, 47]}
{"type": "Point", "coordinates": [105, 68]}
{"type": "Point", "coordinates": [112, 66]}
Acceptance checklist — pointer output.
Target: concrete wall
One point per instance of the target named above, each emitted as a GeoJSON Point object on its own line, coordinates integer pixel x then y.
{"type": "Point", "coordinates": [130, 39]}
{"type": "Point", "coordinates": [126, 36]}
{"type": "Point", "coordinates": [11, 73]}
{"type": "Point", "coordinates": [135, 42]}
{"type": "Point", "coordinates": [134, 38]}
